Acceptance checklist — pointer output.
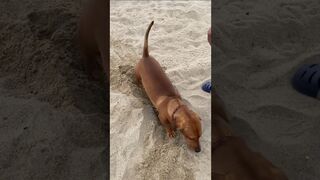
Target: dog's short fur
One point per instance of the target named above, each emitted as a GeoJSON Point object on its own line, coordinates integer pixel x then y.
{"type": "Point", "coordinates": [93, 36]}
{"type": "Point", "coordinates": [172, 112]}
{"type": "Point", "coordinates": [232, 159]}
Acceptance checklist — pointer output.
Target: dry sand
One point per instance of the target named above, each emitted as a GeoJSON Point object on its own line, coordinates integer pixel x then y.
{"type": "Point", "coordinates": [178, 40]}
{"type": "Point", "coordinates": [258, 45]}
{"type": "Point", "coordinates": [52, 118]}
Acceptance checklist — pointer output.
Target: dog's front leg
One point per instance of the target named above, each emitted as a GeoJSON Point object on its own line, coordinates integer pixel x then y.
{"type": "Point", "coordinates": [170, 132]}
{"type": "Point", "coordinates": [164, 121]}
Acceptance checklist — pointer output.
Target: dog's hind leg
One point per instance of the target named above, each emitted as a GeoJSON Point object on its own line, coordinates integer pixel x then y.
{"type": "Point", "coordinates": [137, 75]}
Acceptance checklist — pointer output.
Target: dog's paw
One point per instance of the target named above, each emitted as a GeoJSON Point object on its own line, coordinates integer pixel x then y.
{"type": "Point", "coordinates": [171, 133]}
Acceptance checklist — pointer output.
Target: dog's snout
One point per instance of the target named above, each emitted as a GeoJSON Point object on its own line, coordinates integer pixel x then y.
{"type": "Point", "coordinates": [198, 149]}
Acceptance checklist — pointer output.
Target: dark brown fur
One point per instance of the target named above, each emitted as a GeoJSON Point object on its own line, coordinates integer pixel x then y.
{"type": "Point", "coordinates": [173, 114]}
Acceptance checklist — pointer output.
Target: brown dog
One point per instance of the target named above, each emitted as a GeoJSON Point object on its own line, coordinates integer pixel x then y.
{"type": "Point", "coordinates": [173, 114]}
{"type": "Point", "coordinates": [232, 159]}
{"type": "Point", "coordinates": [93, 35]}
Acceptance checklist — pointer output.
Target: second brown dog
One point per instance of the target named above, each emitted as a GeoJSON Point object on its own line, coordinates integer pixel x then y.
{"type": "Point", "coordinates": [172, 112]}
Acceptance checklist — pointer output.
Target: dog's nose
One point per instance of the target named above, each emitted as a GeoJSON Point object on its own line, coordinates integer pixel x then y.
{"type": "Point", "coordinates": [198, 149]}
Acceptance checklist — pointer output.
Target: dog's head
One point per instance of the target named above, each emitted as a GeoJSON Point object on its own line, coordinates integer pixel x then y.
{"type": "Point", "coordinates": [189, 124]}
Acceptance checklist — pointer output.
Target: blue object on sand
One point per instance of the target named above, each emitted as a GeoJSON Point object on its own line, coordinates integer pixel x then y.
{"type": "Point", "coordinates": [207, 86]}
{"type": "Point", "coordinates": [307, 80]}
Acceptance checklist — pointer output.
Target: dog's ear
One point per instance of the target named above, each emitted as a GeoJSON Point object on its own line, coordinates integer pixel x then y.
{"type": "Point", "coordinates": [174, 119]}
{"type": "Point", "coordinates": [172, 106]}
{"type": "Point", "coordinates": [174, 125]}
{"type": "Point", "coordinates": [196, 115]}
{"type": "Point", "coordinates": [179, 125]}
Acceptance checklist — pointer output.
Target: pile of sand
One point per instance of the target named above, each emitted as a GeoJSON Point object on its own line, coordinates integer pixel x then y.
{"type": "Point", "coordinates": [178, 40]}
{"type": "Point", "coordinates": [258, 46]}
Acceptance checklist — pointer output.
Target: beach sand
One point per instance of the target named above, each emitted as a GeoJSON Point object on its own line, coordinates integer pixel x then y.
{"type": "Point", "coordinates": [52, 118]}
{"type": "Point", "coordinates": [258, 45]}
{"type": "Point", "coordinates": [140, 148]}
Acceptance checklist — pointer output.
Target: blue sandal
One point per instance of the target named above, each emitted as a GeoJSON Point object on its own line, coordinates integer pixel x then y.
{"type": "Point", "coordinates": [207, 86]}
{"type": "Point", "coordinates": [307, 80]}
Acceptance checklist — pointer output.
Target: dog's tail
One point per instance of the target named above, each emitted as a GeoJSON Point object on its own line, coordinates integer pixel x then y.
{"type": "Point", "coordinates": [145, 47]}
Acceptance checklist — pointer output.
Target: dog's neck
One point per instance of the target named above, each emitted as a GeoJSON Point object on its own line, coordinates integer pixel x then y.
{"type": "Point", "coordinates": [175, 122]}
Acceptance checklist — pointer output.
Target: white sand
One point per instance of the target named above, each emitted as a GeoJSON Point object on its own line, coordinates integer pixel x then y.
{"type": "Point", "coordinates": [178, 40]}
{"type": "Point", "coordinates": [258, 46]}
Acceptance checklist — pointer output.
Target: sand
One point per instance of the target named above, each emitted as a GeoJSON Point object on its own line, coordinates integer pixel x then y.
{"type": "Point", "coordinates": [139, 146]}
{"type": "Point", "coordinates": [258, 45]}
{"type": "Point", "coordinates": [52, 118]}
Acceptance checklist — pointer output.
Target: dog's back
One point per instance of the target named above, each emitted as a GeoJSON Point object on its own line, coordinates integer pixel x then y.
{"type": "Point", "coordinates": [153, 78]}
